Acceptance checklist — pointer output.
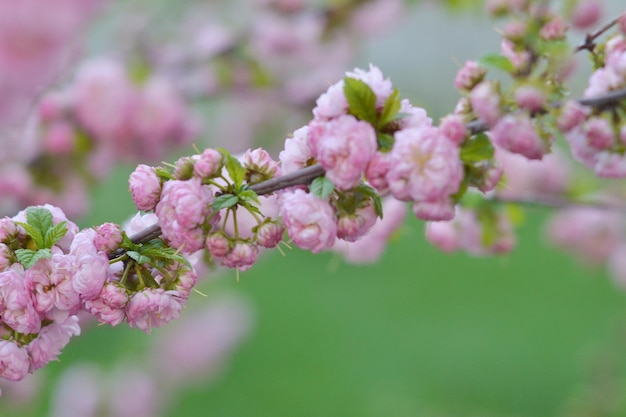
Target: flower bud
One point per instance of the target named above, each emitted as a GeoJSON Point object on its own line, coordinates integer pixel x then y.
{"type": "Point", "coordinates": [269, 234]}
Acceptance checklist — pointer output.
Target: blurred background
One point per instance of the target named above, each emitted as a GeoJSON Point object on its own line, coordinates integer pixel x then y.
{"type": "Point", "coordinates": [419, 333]}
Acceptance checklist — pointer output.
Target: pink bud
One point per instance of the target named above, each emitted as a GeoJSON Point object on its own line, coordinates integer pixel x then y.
{"type": "Point", "coordinates": [145, 187]}
{"type": "Point", "coordinates": [517, 134]}
{"type": "Point", "coordinates": [572, 115]}
{"type": "Point", "coordinates": [217, 244]}
{"type": "Point", "coordinates": [242, 256]}
{"type": "Point", "coordinates": [453, 126]}
{"type": "Point", "coordinates": [259, 166]}
{"type": "Point", "coordinates": [434, 210]}
{"type": "Point", "coordinates": [108, 237]}
{"type": "Point", "coordinates": [269, 234]}
{"type": "Point", "coordinates": [586, 14]}
{"type": "Point", "coordinates": [485, 101]}
{"type": "Point", "coordinates": [208, 164]}
{"type": "Point", "coordinates": [530, 98]}
{"type": "Point", "coordinates": [14, 361]}
{"type": "Point", "coordinates": [468, 76]}
{"type": "Point", "coordinates": [554, 29]}
{"type": "Point", "coordinates": [599, 133]}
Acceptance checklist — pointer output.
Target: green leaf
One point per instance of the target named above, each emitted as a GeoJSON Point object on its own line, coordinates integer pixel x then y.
{"type": "Point", "coordinates": [249, 195]}
{"type": "Point", "coordinates": [385, 142]}
{"type": "Point", "coordinates": [390, 110]}
{"type": "Point", "coordinates": [138, 257]}
{"type": "Point", "coordinates": [488, 220]}
{"type": "Point", "coordinates": [361, 99]}
{"type": "Point", "coordinates": [225, 201]}
{"type": "Point", "coordinates": [477, 149]}
{"type": "Point", "coordinates": [235, 170]}
{"type": "Point", "coordinates": [55, 234]}
{"type": "Point", "coordinates": [28, 257]}
{"type": "Point", "coordinates": [462, 189]}
{"type": "Point", "coordinates": [497, 61]}
{"type": "Point", "coordinates": [321, 187]}
{"type": "Point", "coordinates": [34, 233]}
{"type": "Point", "coordinates": [164, 174]}
{"type": "Point", "coordinates": [373, 194]}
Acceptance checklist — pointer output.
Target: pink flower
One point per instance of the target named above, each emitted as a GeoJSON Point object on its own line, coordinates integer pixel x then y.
{"type": "Point", "coordinates": [468, 76]}
{"type": "Point", "coordinates": [310, 222]}
{"type": "Point", "coordinates": [573, 114]}
{"type": "Point", "coordinates": [586, 14]}
{"type": "Point", "coordinates": [376, 172]}
{"type": "Point", "coordinates": [242, 256]}
{"type": "Point", "coordinates": [517, 134]}
{"type": "Point", "coordinates": [14, 361]}
{"type": "Point", "coordinates": [17, 308]}
{"type": "Point", "coordinates": [297, 153]}
{"type": "Point", "coordinates": [370, 247]}
{"type": "Point", "coordinates": [424, 165]}
{"type": "Point", "coordinates": [344, 147]}
{"type": "Point", "coordinates": [186, 279]}
{"type": "Point", "coordinates": [519, 59]}
{"type": "Point", "coordinates": [217, 244]}
{"type": "Point", "coordinates": [259, 166]}
{"type": "Point", "coordinates": [51, 282]}
{"type": "Point", "coordinates": [485, 101]}
{"type": "Point", "coordinates": [92, 265]}
{"type": "Point", "coordinates": [108, 237]}
{"type": "Point", "coordinates": [332, 103]}
{"type": "Point", "coordinates": [413, 116]}
{"type": "Point", "coordinates": [109, 306]}
{"type": "Point", "coordinates": [145, 187]}
{"type": "Point", "coordinates": [182, 211]}
{"type": "Point", "coordinates": [269, 234]}
{"type": "Point", "coordinates": [530, 98]}
{"type": "Point", "coordinates": [351, 227]}
{"type": "Point", "coordinates": [554, 29]}
{"type": "Point", "coordinates": [599, 133]}
{"type": "Point", "coordinates": [434, 210]}
{"type": "Point", "coordinates": [208, 164]}
{"type": "Point", "coordinates": [453, 126]}
{"type": "Point", "coordinates": [153, 308]}
{"type": "Point", "coordinates": [52, 338]}
{"type": "Point", "coordinates": [139, 222]}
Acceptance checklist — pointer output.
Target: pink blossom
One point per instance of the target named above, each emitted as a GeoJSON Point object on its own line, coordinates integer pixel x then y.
{"type": "Point", "coordinates": [8, 229]}
{"type": "Point", "coordinates": [310, 221]}
{"type": "Point", "coordinates": [590, 234]}
{"type": "Point", "coordinates": [91, 265]}
{"type": "Point", "coordinates": [344, 147]}
{"type": "Point", "coordinates": [297, 153]}
{"type": "Point", "coordinates": [59, 138]}
{"type": "Point", "coordinates": [108, 237]}
{"type": "Point", "coordinates": [104, 100]}
{"type": "Point", "coordinates": [17, 307]}
{"type": "Point", "coordinates": [376, 172]}
{"type": "Point", "coordinates": [413, 116]}
{"type": "Point", "coordinates": [183, 209]}
{"type": "Point", "coordinates": [519, 59]}
{"type": "Point", "coordinates": [77, 392]}
{"type": "Point", "coordinates": [602, 81]}
{"type": "Point", "coordinates": [51, 282]}
{"type": "Point", "coordinates": [530, 98]}
{"type": "Point", "coordinates": [556, 28]}
{"type": "Point", "coordinates": [14, 361]}
{"type": "Point", "coordinates": [351, 227]}
{"type": "Point", "coordinates": [515, 30]}
{"type": "Point", "coordinates": [109, 306]}
{"type": "Point", "coordinates": [517, 134]}
{"type": "Point", "coordinates": [146, 399]}
{"type": "Point", "coordinates": [434, 210]}
{"type": "Point", "coordinates": [573, 114]}
{"type": "Point", "coordinates": [599, 133]}
{"type": "Point", "coordinates": [259, 166]}
{"type": "Point", "coordinates": [492, 174]}
{"type": "Point", "coordinates": [370, 247]}
{"type": "Point", "coordinates": [468, 76]}
{"type": "Point", "coordinates": [153, 308]}
{"type": "Point", "coordinates": [332, 103]}
{"type": "Point", "coordinates": [217, 244]}
{"type": "Point", "coordinates": [52, 338]}
{"type": "Point", "coordinates": [208, 164]}
{"type": "Point", "coordinates": [485, 101]}
{"type": "Point", "coordinates": [424, 165]}
{"type": "Point", "coordinates": [140, 222]}
{"type": "Point", "coordinates": [374, 17]}
{"type": "Point", "coordinates": [453, 126]}
{"type": "Point", "coordinates": [269, 234]}
{"type": "Point", "coordinates": [586, 13]}
{"type": "Point", "coordinates": [145, 187]}
{"type": "Point", "coordinates": [242, 256]}
{"type": "Point", "coordinates": [6, 256]}
{"type": "Point", "coordinates": [186, 279]}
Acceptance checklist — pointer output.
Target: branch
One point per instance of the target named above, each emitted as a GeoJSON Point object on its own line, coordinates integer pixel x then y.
{"type": "Point", "coordinates": [308, 174]}
{"type": "Point", "coordinates": [589, 44]}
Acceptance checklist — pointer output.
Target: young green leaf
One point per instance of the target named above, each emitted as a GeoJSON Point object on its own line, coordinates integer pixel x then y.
{"type": "Point", "coordinates": [249, 195]}
{"type": "Point", "coordinates": [55, 234]}
{"type": "Point", "coordinates": [497, 61]}
{"type": "Point", "coordinates": [138, 257]}
{"type": "Point", "coordinates": [385, 142]}
{"type": "Point", "coordinates": [34, 233]}
{"type": "Point", "coordinates": [28, 257]}
{"type": "Point", "coordinates": [361, 99]}
{"type": "Point", "coordinates": [390, 110]}
{"type": "Point", "coordinates": [477, 149]}
{"type": "Point", "coordinates": [225, 201]}
{"type": "Point", "coordinates": [234, 168]}
{"type": "Point", "coordinates": [321, 187]}
{"type": "Point", "coordinates": [370, 192]}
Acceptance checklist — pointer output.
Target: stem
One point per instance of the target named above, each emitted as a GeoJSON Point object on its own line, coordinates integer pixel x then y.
{"type": "Point", "coordinates": [589, 44]}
